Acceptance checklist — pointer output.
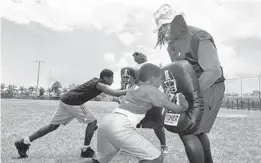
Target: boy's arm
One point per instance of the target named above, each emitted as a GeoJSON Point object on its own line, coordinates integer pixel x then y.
{"type": "Point", "coordinates": [108, 90]}
{"type": "Point", "coordinates": [159, 99]}
{"type": "Point", "coordinates": [181, 107]}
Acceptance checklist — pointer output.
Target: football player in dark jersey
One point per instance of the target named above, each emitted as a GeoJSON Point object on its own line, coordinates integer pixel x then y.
{"type": "Point", "coordinates": [71, 105]}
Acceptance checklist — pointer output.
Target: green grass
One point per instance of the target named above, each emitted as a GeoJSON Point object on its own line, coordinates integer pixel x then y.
{"type": "Point", "coordinates": [233, 139]}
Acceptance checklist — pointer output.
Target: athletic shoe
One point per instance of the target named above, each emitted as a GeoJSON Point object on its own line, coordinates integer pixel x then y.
{"type": "Point", "coordinates": [22, 148]}
{"type": "Point", "coordinates": [164, 149]}
{"type": "Point", "coordinates": [89, 153]}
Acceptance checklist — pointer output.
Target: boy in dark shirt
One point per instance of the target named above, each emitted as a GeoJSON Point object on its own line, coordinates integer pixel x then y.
{"type": "Point", "coordinates": [71, 105]}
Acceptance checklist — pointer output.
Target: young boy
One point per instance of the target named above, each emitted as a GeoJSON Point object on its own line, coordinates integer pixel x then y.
{"type": "Point", "coordinates": [71, 105]}
{"type": "Point", "coordinates": [117, 131]}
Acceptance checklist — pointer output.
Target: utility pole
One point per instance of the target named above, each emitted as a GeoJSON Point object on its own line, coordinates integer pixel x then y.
{"type": "Point", "coordinates": [49, 84]}
{"type": "Point", "coordinates": [39, 65]}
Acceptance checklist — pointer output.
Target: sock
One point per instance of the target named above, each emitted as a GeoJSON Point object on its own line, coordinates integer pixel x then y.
{"type": "Point", "coordinates": [27, 140]}
{"type": "Point", "coordinates": [85, 147]}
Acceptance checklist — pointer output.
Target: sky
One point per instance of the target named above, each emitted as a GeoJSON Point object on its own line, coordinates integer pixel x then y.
{"type": "Point", "coordinates": [76, 39]}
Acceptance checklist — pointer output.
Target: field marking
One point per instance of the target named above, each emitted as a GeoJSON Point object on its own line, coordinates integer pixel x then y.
{"type": "Point", "coordinates": [232, 115]}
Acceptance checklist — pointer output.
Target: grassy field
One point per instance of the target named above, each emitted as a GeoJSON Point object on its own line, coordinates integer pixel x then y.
{"type": "Point", "coordinates": [235, 137]}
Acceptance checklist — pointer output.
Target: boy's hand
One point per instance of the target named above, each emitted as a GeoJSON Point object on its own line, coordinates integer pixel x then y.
{"type": "Point", "coordinates": [181, 100]}
{"type": "Point", "coordinates": [180, 97]}
{"type": "Point", "coordinates": [172, 98]}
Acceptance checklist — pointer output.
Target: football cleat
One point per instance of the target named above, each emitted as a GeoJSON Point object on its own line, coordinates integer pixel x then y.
{"type": "Point", "coordinates": [89, 153]}
{"type": "Point", "coordinates": [22, 148]}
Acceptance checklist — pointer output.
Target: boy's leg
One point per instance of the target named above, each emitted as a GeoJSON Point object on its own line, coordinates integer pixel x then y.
{"type": "Point", "coordinates": [105, 150]}
{"type": "Point", "coordinates": [115, 132]}
{"type": "Point", "coordinates": [89, 132]}
{"type": "Point", "coordinates": [193, 147]}
{"type": "Point", "coordinates": [62, 116]}
{"type": "Point", "coordinates": [83, 115]}
{"type": "Point", "coordinates": [154, 120]}
{"type": "Point", "coordinates": [160, 133]}
{"type": "Point", "coordinates": [137, 145]}
{"type": "Point", "coordinates": [87, 152]}
{"type": "Point", "coordinates": [43, 131]}
{"type": "Point", "coordinates": [106, 147]}
{"type": "Point", "coordinates": [129, 140]}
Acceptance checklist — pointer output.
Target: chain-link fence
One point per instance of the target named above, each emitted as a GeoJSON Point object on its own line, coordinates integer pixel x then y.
{"type": "Point", "coordinates": [243, 94]}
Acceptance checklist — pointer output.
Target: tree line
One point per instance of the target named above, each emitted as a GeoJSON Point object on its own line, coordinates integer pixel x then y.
{"type": "Point", "coordinates": [52, 93]}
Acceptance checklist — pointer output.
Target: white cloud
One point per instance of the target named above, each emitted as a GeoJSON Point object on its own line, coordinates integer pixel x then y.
{"type": "Point", "coordinates": [227, 57]}
{"type": "Point", "coordinates": [122, 63]}
{"type": "Point", "coordinates": [117, 69]}
{"type": "Point", "coordinates": [129, 58]}
{"type": "Point", "coordinates": [234, 65]}
{"type": "Point", "coordinates": [26, 11]}
{"type": "Point", "coordinates": [126, 38]}
{"type": "Point", "coordinates": [224, 19]}
{"type": "Point", "coordinates": [109, 58]}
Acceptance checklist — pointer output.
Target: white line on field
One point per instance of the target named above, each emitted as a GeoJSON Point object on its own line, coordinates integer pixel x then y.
{"type": "Point", "coordinates": [232, 115]}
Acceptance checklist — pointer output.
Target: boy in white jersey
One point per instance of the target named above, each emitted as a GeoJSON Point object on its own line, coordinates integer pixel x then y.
{"type": "Point", "coordinates": [117, 131]}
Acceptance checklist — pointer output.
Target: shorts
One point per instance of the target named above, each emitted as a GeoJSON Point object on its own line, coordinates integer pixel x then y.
{"type": "Point", "coordinates": [213, 98]}
{"type": "Point", "coordinates": [66, 113]}
{"type": "Point", "coordinates": [116, 133]}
